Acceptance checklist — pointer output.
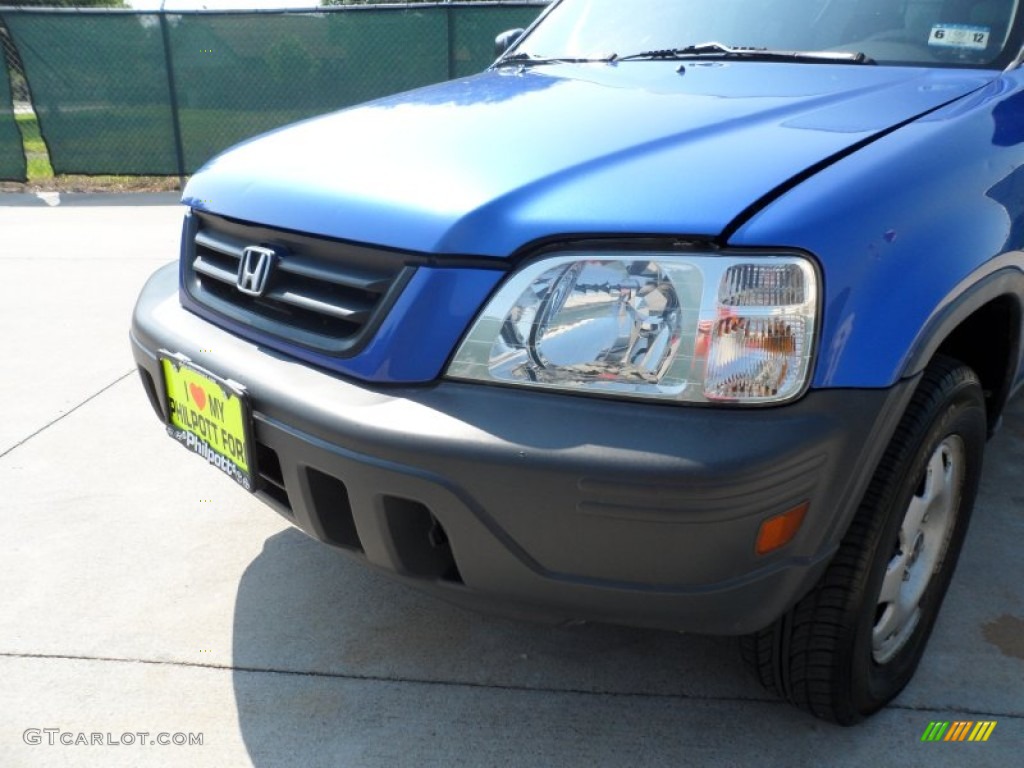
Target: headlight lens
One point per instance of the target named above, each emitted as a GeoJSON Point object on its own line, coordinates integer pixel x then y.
{"type": "Point", "coordinates": [691, 328]}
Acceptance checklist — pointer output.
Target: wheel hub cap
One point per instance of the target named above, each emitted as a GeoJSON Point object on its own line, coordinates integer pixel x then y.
{"type": "Point", "coordinates": [919, 548]}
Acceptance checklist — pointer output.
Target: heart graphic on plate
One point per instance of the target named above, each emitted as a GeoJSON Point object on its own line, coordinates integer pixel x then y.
{"type": "Point", "coordinates": [198, 395]}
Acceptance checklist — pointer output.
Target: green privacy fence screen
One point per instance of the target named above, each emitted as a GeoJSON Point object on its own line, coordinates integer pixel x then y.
{"type": "Point", "coordinates": [122, 92]}
{"type": "Point", "coordinates": [12, 159]}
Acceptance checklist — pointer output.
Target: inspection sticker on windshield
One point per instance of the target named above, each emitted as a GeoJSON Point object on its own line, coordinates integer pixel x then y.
{"type": "Point", "coordinates": [210, 417]}
{"type": "Point", "coordinates": [966, 36]}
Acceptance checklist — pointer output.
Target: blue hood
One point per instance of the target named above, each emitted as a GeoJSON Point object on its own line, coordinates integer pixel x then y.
{"type": "Point", "coordinates": [486, 164]}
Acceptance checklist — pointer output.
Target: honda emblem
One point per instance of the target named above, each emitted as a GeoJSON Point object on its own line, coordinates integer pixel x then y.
{"type": "Point", "coordinates": [254, 270]}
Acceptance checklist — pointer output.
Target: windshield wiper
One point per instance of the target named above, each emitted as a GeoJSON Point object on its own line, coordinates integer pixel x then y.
{"type": "Point", "coordinates": [719, 51]}
{"type": "Point", "coordinates": [531, 60]}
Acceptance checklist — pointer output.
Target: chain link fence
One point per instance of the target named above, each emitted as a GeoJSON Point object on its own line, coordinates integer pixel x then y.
{"type": "Point", "coordinates": [12, 157]}
{"type": "Point", "coordinates": [148, 93]}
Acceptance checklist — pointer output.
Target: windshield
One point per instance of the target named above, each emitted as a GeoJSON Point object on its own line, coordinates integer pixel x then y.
{"type": "Point", "coordinates": [971, 33]}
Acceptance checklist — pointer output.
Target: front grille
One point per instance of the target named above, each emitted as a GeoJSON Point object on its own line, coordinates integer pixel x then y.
{"type": "Point", "coordinates": [322, 294]}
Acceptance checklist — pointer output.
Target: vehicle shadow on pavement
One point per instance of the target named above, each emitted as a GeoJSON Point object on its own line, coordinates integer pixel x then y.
{"type": "Point", "coordinates": [332, 631]}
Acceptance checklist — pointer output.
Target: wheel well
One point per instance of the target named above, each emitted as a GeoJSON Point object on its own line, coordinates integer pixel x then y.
{"type": "Point", "coordinates": [989, 342]}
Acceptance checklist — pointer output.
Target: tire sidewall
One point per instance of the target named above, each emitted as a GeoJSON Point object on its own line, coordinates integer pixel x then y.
{"type": "Point", "coordinates": [961, 413]}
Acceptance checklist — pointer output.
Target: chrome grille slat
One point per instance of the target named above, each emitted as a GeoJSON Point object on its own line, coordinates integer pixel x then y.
{"type": "Point", "coordinates": [221, 244]}
{"type": "Point", "coordinates": [322, 294]}
{"type": "Point", "coordinates": [362, 282]}
{"type": "Point", "coordinates": [351, 314]}
{"type": "Point", "coordinates": [201, 265]}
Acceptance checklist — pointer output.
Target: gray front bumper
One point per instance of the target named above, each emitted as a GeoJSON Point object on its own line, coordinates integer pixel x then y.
{"type": "Point", "coordinates": [531, 502]}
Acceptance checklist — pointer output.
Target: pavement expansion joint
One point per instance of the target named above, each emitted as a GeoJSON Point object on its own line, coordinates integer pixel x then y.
{"type": "Point", "coordinates": [67, 413]}
{"type": "Point", "coordinates": [399, 679]}
{"type": "Point", "coordinates": [465, 684]}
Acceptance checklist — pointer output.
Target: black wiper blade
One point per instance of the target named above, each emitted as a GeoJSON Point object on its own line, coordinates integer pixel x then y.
{"type": "Point", "coordinates": [531, 60]}
{"type": "Point", "coordinates": [720, 51]}
{"type": "Point", "coordinates": [700, 49]}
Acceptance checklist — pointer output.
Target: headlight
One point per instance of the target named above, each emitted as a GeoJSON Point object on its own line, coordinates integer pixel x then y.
{"type": "Point", "coordinates": [690, 328]}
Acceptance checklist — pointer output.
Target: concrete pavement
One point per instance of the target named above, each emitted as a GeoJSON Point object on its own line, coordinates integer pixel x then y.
{"type": "Point", "coordinates": [142, 592]}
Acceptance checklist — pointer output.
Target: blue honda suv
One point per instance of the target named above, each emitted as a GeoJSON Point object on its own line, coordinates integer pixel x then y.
{"type": "Point", "coordinates": [694, 315]}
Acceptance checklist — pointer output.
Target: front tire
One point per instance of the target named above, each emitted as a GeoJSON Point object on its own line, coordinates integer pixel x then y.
{"type": "Point", "coordinates": [854, 641]}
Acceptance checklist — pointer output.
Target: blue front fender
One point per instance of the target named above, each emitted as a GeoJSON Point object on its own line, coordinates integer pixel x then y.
{"type": "Point", "coordinates": [910, 230]}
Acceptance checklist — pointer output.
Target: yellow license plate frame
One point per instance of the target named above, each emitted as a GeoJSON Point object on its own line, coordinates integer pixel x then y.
{"type": "Point", "coordinates": [209, 416]}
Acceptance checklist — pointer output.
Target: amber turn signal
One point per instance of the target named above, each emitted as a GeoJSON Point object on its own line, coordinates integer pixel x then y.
{"type": "Point", "coordinates": [779, 530]}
